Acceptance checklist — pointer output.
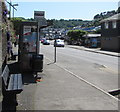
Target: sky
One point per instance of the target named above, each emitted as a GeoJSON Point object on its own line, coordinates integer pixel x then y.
{"type": "Point", "coordinates": [66, 9]}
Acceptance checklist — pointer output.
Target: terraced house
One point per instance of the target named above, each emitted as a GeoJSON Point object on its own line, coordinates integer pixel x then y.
{"type": "Point", "coordinates": [111, 33]}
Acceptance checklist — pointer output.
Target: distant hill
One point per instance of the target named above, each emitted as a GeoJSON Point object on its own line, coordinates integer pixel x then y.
{"type": "Point", "coordinates": [69, 24]}
{"type": "Point", "coordinates": [98, 17]}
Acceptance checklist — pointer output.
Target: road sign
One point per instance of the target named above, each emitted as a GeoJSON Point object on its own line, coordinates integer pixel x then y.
{"type": "Point", "coordinates": [39, 17]}
{"type": "Point", "coordinates": [39, 14]}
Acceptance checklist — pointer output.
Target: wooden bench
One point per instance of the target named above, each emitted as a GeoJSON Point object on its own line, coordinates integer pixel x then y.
{"type": "Point", "coordinates": [12, 83]}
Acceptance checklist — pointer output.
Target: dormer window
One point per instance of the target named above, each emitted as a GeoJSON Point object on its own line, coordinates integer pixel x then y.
{"type": "Point", "coordinates": [106, 25]}
{"type": "Point", "coordinates": [114, 25]}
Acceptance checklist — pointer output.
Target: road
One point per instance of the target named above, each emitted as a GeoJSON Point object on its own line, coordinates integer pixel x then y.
{"type": "Point", "coordinates": [79, 80]}
{"type": "Point", "coordinates": [98, 69]}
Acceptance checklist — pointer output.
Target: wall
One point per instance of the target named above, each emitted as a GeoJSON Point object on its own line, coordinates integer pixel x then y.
{"type": "Point", "coordinates": [0, 36]}
{"type": "Point", "coordinates": [110, 37]}
{"type": "Point", "coordinates": [110, 43]}
{"type": "Point", "coordinates": [3, 45]}
{"type": "Point", "coordinates": [0, 54]}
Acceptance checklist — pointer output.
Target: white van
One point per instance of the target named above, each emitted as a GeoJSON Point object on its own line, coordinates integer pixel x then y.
{"type": "Point", "coordinates": [59, 43]}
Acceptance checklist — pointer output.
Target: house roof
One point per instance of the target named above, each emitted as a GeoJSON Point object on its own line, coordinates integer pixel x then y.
{"type": "Point", "coordinates": [112, 18]}
{"type": "Point", "coordinates": [92, 35]}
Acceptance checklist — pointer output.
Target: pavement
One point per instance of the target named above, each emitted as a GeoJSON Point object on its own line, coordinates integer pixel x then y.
{"type": "Point", "coordinates": [59, 90]}
{"type": "Point", "coordinates": [95, 50]}
{"type": "Point", "coordinates": [50, 91]}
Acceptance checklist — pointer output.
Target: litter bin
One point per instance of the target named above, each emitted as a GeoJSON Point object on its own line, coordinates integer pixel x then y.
{"type": "Point", "coordinates": [37, 63]}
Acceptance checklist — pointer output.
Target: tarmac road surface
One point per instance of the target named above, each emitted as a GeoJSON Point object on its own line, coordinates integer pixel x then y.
{"type": "Point", "coordinates": [77, 81]}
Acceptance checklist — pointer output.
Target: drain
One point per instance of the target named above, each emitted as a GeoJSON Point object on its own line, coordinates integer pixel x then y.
{"type": "Point", "coordinates": [115, 93]}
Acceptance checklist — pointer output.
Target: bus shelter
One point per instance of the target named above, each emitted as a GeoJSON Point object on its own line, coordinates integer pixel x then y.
{"type": "Point", "coordinates": [28, 52]}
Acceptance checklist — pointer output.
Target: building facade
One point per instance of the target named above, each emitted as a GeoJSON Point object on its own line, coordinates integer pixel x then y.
{"type": "Point", "coordinates": [93, 40]}
{"type": "Point", "coordinates": [110, 32]}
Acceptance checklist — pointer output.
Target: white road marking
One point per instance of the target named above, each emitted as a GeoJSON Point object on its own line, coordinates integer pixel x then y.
{"type": "Point", "coordinates": [82, 79]}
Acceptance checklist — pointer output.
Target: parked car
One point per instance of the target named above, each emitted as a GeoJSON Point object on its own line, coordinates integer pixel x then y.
{"type": "Point", "coordinates": [59, 43]}
{"type": "Point", "coordinates": [42, 40]}
{"type": "Point", "coordinates": [46, 42]}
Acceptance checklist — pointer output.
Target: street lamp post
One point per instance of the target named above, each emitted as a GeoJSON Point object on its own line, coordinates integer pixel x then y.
{"type": "Point", "coordinates": [10, 5]}
{"type": "Point", "coordinates": [9, 9]}
{"type": "Point", "coordinates": [14, 8]}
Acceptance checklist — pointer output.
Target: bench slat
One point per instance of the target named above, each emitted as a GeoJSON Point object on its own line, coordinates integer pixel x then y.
{"type": "Point", "coordinates": [19, 81]}
{"type": "Point", "coordinates": [15, 82]}
{"type": "Point", "coordinates": [5, 74]}
{"type": "Point", "coordinates": [10, 86]}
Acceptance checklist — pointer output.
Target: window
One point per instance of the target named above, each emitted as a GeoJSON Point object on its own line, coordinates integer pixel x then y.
{"type": "Point", "coordinates": [106, 25]}
{"type": "Point", "coordinates": [114, 25]}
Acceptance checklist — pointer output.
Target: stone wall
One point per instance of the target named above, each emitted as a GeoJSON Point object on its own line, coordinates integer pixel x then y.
{"type": "Point", "coordinates": [3, 45]}
{"type": "Point", "coordinates": [3, 37]}
{"type": "Point", "coordinates": [0, 54]}
{"type": "Point", "coordinates": [0, 36]}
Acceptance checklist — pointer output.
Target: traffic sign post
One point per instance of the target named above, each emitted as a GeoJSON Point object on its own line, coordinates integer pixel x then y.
{"type": "Point", "coordinates": [55, 52]}
{"type": "Point", "coordinates": [55, 55]}
{"type": "Point", "coordinates": [39, 17]}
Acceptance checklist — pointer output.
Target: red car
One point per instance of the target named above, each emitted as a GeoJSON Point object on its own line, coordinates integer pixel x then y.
{"type": "Point", "coordinates": [42, 40]}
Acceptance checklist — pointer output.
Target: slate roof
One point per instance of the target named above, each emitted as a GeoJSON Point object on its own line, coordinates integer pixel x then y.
{"type": "Point", "coordinates": [112, 18]}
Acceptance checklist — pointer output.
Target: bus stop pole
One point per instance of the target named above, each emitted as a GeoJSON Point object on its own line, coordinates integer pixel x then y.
{"type": "Point", "coordinates": [55, 55]}
{"type": "Point", "coordinates": [37, 45]}
{"type": "Point", "coordinates": [55, 52]}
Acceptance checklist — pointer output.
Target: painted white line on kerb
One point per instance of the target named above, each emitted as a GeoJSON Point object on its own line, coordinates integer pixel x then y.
{"type": "Point", "coordinates": [82, 79]}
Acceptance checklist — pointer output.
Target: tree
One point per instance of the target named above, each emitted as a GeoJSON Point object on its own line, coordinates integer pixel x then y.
{"type": "Point", "coordinates": [97, 16]}
{"type": "Point", "coordinates": [76, 35]}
